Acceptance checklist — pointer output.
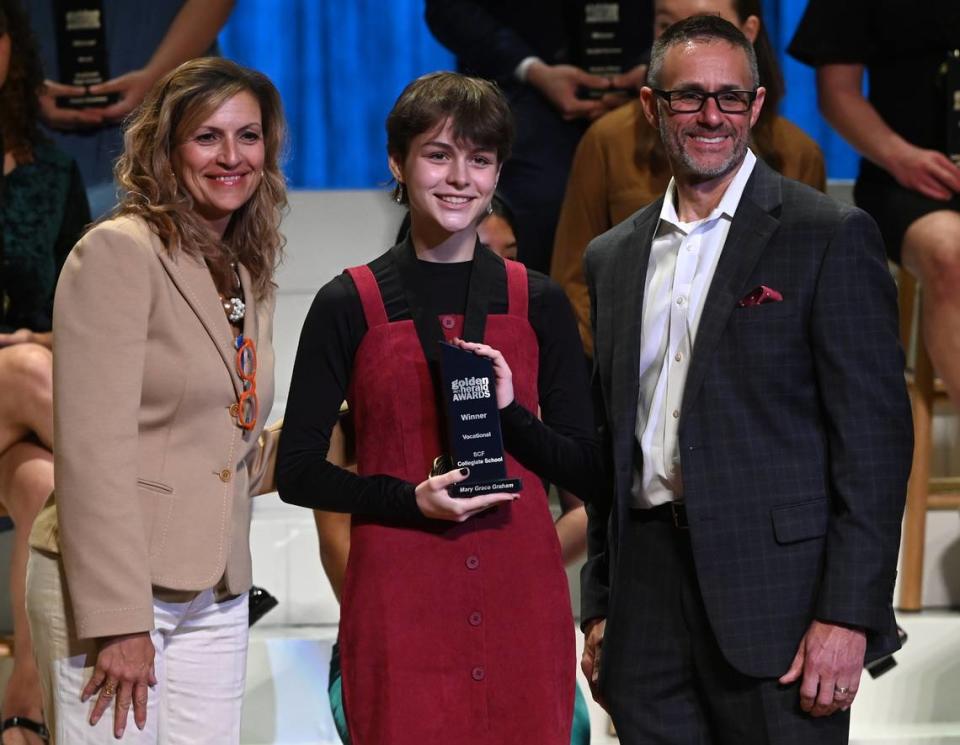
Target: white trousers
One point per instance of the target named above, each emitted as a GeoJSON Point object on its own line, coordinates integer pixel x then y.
{"type": "Point", "coordinates": [201, 654]}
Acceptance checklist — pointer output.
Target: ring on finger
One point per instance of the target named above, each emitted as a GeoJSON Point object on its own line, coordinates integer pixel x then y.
{"type": "Point", "coordinates": [109, 690]}
{"type": "Point", "coordinates": [839, 690]}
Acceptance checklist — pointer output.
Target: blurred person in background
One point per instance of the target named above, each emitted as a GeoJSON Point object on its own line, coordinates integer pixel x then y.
{"type": "Point", "coordinates": [144, 41]}
{"type": "Point", "coordinates": [906, 182]}
{"type": "Point", "coordinates": [43, 210]}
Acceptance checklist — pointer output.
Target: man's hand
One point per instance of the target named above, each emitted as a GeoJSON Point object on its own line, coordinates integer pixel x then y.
{"type": "Point", "coordinates": [132, 87]}
{"type": "Point", "coordinates": [435, 502]}
{"type": "Point", "coordinates": [124, 670]}
{"type": "Point", "coordinates": [62, 118]}
{"type": "Point", "coordinates": [929, 172]}
{"type": "Point", "coordinates": [830, 661]}
{"type": "Point", "coordinates": [559, 84]}
{"type": "Point", "coordinates": [590, 659]}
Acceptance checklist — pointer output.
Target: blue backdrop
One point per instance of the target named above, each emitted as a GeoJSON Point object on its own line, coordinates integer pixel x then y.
{"type": "Point", "coordinates": [340, 64]}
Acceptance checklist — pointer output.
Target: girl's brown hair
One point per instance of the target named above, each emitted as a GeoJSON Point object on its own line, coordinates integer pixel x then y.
{"type": "Point", "coordinates": [476, 108]}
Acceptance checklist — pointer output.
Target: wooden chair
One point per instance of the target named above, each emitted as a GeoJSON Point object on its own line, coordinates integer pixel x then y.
{"type": "Point", "coordinates": [923, 492]}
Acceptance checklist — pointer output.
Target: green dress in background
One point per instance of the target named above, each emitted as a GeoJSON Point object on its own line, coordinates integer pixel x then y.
{"type": "Point", "coordinates": [44, 211]}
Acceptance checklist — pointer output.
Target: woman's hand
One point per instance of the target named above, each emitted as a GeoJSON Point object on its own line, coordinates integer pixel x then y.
{"type": "Point", "coordinates": [26, 336]}
{"type": "Point", "coordinates": [501, 370]}
{"type": "Point", "coordinates": [435, 501]}
{"type": "Point", "coordinates": [124, 670]}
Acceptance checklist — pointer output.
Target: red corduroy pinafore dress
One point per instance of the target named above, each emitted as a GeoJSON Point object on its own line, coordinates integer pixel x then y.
{"type": "Point", "coordinates": [455, 633]}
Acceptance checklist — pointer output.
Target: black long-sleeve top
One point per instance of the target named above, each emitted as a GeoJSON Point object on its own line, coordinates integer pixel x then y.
{"type": "Point", "coordinates": [331, 334]}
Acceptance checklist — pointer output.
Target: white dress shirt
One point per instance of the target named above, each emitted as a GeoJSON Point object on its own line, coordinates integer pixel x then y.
{"type": "Point", "coordinates": [683, 259]}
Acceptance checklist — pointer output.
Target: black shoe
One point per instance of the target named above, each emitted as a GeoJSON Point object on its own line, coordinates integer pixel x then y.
{"type": "Point", "coordinates": [261, 602]}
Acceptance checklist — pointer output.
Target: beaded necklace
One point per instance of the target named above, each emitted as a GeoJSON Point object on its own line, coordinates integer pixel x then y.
{"type": "Point", "coordinates": [233, 306]}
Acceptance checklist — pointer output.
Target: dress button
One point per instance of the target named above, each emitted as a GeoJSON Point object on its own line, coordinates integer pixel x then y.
{"type": "Point", "coordinates": [225, 475]}
{"type": "Point", "coordinates": [234, 410]}
{"type": "Point", "coordinates": [476, 618]}
{"type": "Point", "coordinates": [472, 562]}
{"type": "Point", "coordinates": [447, 322]}
{"type": "Point", "coordinates": [477, 673]}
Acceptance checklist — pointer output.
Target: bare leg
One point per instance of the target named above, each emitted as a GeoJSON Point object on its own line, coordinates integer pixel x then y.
{"type": "Point", "coordinates": [931, 252]}
{"type": "Point", "coordinates": [26, 480]}
{"type": "Point", "coordinates": [26, 396]}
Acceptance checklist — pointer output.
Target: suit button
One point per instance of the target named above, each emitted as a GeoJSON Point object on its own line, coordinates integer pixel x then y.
{"type": "Point", "coordinates": [234, 409]}
{"type": "Point", "coordinates": [225, 475]}
{"type": "Point", "coordinates": [477, 673]}
{"type": "Point", "coordinates": [476, 618]}
{"type": "Point", "coordinates": [472, 562]}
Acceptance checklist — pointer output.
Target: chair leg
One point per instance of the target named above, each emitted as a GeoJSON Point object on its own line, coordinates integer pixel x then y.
{"type": "Point", "coordinates": [915, 521]}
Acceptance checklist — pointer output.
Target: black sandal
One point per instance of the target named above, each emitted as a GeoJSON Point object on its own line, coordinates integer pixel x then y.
{"type": "Point", "coordinates": [31, 725]}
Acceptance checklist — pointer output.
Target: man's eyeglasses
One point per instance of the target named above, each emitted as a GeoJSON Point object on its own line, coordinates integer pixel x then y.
{"type": "Point", "coordinates": [248, 405]}
{"type": "Point", "coordinates": [690, 102]}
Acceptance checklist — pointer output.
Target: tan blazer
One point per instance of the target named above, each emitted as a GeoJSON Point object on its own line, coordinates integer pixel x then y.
{"type": "Point", "coordinates": [153, 473]}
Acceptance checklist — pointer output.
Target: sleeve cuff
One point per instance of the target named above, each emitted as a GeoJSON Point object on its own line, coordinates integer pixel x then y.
{"type": "Point", "coordinates": [521, 70]}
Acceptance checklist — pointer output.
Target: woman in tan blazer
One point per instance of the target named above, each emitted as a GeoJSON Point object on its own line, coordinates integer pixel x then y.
{"type": "Point", "coordinates": [138, 578]}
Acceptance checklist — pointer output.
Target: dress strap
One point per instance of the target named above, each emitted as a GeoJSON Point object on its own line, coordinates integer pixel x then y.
{"type": "Point", "coordinates": [374, 311]}
{"type": "Point", "coordinates": [518, 294]}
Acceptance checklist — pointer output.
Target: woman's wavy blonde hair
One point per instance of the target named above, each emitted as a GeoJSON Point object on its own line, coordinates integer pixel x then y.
{"type": "Point", "coordinates": [175, 107]}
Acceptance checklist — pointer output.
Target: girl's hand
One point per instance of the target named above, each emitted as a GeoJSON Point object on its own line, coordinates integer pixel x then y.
{"type": "Point", "coordinates": [435, 501]}
{"type": "Point", "coordinates": [501, 370]}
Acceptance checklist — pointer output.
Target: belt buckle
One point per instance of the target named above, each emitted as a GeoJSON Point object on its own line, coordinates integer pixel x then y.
{"type": "Point", "coordinates": [679, 514]}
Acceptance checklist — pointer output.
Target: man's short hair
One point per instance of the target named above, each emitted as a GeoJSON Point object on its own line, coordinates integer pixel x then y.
{"type": "Point", "coordinates": [707, 28]}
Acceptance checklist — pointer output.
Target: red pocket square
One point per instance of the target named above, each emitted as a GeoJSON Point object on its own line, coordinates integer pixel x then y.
{"type": "Point", "coordinates": [759, 296]}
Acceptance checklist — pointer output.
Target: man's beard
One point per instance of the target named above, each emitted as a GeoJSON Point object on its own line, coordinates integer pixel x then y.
{"type": "Point", "coordinates": [678, 155]}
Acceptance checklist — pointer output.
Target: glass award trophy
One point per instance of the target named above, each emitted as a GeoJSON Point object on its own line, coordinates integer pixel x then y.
{"type": "Point", "coordinates": [473, 424]}
{"type": "Point", "coordinates": [82, 49]}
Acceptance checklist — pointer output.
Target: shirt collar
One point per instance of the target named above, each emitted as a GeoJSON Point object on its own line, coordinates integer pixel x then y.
{"type": "Point", "coordinates": [670, 221]}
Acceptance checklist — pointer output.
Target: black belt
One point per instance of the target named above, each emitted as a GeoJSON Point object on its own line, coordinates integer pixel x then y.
{"type": "Point", "coordinates": [674, 513]}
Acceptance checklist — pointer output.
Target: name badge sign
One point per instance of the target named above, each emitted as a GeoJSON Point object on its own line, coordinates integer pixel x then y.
{"type": "Point", "coordinates": [473, 423]}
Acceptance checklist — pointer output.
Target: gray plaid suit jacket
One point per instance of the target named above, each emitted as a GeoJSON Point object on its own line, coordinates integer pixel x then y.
{"type": "Point", "coordinates": [795, 429]}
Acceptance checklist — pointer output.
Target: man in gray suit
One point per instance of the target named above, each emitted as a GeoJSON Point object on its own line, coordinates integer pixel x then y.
{"type": "Point", "coordinates": [757, 428]}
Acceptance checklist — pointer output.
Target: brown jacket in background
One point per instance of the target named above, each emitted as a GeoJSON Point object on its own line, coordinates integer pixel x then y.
{"type": "Point", "coordinates": [153, 473]}
{"type": "Point", "coordinates": [620, 167]}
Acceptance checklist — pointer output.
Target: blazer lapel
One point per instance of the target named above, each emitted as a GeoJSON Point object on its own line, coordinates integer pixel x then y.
{"type": "Point", "coordinates": [631, 260]}
{"type": "Point", "coordinates": [749, 234]}
{"type": "Point", "coordinates": [192, 278]}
